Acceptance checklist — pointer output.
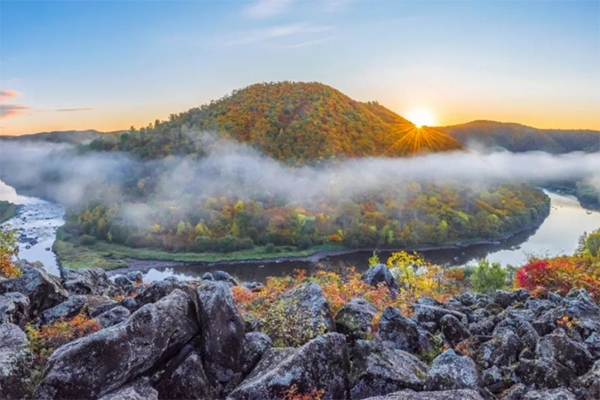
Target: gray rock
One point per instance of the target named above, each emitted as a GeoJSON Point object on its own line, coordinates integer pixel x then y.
{"type": "Point", "coordinates": [426, 313]}
{"type": "Point", "coordinates": [587, 387]}
{"type": "Point", "coordinates": [453, 330]}
{"type": "Point", "coordinates": [15, 363]}
{"type": "Point", "coordinates": [450, 371]}
{"type": "Point", "coordinates": [44, 291]}
{"type": "Point", "coordinates": [355, 319]}
{"type": "Point", "coordinates": [493, 380]}
{"type": "Point", "coordinates": [160, 289]}
{"type": "Point", "coordinates": [185, 379]}
{"type": "Point", "coordinates": [255, 345]}
{"type": "Point", "coordinates": [253, 286]}
{"type": "Point", "coordinates": [522, 328]}
{"type": "Point", "coordinates": [93, 281]}
{"type": "Point", "coordinates": [544, 373]}
{"type": "Point", "coordinates": [501, 351]}
{"type": "Point", "coordinates": [208, 277]}
{"type": "Point", "coordinates": [515, 392]}
{"type": "Point", "coordinates": [14, 309]}
{"type": "Point", "coordinates": [380, 274]}
{"type": "Point", "coordinates": [308, 302]}
{"type": "Point", "coordinates": [103, 361]}
{"type": "Point", "coordinates": [506, 299]}
{"type": "Point", "coordinates": [224, 277]}
{"type": "Point", "coordinates": [379, 370]}
{"type": "Point", "coordinates": [112, 317]}
{"type": "Point", "coordinates": [222, 331]}
{"type": "Point", "coordinates": [394, 327]}
{"type": "Point", "coordinates": [65, 310]}
{"type": "Point", "coordinates": [321, 364]}
{"type": "Point", "coordinates": [593, 344]}
{"type": "Point", "coordinates": [569, 353]}
{"type": "Point", "coordinates": [138, 390]}
{"type": "Point", "coordinates": [441, 395]}
{"type": "Point", "coordinates": [553, 394]}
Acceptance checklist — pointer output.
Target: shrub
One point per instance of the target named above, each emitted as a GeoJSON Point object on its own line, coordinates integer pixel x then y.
{"type": "Point", "coordinates": [269, 248]}
{"type": "Point", "coordinates": [289, 328]}
{"type": "Point", "coordinates": [487, 277]}
{"type": "Point", "coordinates": [293, 394]}
{"type": "Point", "coordinates": [87, 240]}
{"type": "Point", "coordinates": [9, 249]}
{"type": "Point", "coordinates": [204, 243]}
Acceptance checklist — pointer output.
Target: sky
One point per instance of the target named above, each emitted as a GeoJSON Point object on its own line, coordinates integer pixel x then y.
{"type": "Point", "coordinates": [109, 65]}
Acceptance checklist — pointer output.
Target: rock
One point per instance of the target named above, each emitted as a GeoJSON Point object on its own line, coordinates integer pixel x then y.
{"type": "Point", "coordinates": [593, 344]}
{"type": "Point", "coordinates": [103, 361]}
{"type": "Point", "coordinates": [569, 353]}
{"type": "Point", "coordinates": [493, 380]}
{"type": "Point", "coordinates": [442, 395]}
{"type": "Point", "coordinates": [112, 317]}
{"type": "Point", "coordinates": [501, 351]}
{"type": "Point", "coordinates": [308, 302]}
{"type": "Point", "coordinates": [453, 330]}
{"type": "Point", "coordinates": [138, 390]}
{"type": "Point", "coordinates": [380, 274]}
{"type": "Point", "coordinates": [65, 310]}
{"type": "Point", "coordinates": [425, 313]}
{"type": "Point", "coordinates": [44, 291]}
{"type": "Point", "coordinates": [379, 370]}
{"type": "Point", "coordinates": [92, 281]}
{"type": "Point", "coordinates": [396, 328]}
{"type": "Point", "coordinates": [15, 362]}
{"type": "Point", "coordinates": [185, 379]}
{"type": "Point", "coordinates": [522, 328]}
{"type": "Point", "coordinates": [253, 286]}
{"type": "Point", "coordinates": [208, 277]}
{"type": "Point", "coordinates": [587, 387]}
{"type": "Point", "coordinates": [450, 371]}
{"type": "Point", "coordinates": [484, 326]}
{"type": "Point", "coordinates": [160, 289]}
{"type": "Point", "coordinates": [554, 394]}
{"type": "Point", "coordinates": [222, 331]}
{"type": "Point", "coordinates": [255, 345]}
{"type": "Point", "coordinates": [516, 392]}
{"type": "Point", "coordinates": [544, 373]}
{"type": "Point", "coordinates": [270, 360]}
{"type": "Point", "coordinates": [355, 319]}
{"type": "Point", "coordinates": [224, 277]}
{"type": "Point", "coordinates": [321, 364]}
{"type": "Point", "coordinates": [14, 309]}
{"type": "Point", "coordinates": [506, 299]}
{"type": "Point", "coordinates": [135, 276]}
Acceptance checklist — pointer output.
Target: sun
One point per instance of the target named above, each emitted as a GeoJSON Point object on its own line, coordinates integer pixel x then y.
{"type": "Point", "coordinates": [421, 117]}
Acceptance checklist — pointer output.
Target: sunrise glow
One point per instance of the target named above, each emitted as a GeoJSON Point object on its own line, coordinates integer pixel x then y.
{"type": "Point", "coordinates": [421, 117]}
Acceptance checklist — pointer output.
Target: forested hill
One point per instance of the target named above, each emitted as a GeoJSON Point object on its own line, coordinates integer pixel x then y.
{"type": "Point", "coordinates": [289, 121]}
{"type": "Point", "coordinates": [75, 137]}
{"type": "Point", "coordinates": [519, 138]}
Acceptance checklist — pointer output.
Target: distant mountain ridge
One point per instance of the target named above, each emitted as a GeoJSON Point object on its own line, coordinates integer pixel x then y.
{"type": "Point", "coordinates": [519, 138]}
{"type": "Point", "coordinates": [72, 136]}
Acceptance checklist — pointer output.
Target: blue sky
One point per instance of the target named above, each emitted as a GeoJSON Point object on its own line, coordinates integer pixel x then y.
{"type": "Point", "coordinates": [112, 64]}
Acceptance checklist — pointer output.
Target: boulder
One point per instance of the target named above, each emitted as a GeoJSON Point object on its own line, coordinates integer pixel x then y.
{"type": "Point", "coordinates": [160, 289]}
{"type": "Point", "coordinates": [453, 330]}
{"type": "Point", "coordinates": [308, 302]}
{"type": "Point", "coordinates": [506, 299]}
{"type": "Point", "coordinates": [223, 276]}
{"type": "Point", "coordinates": [355, 319]}
{"type": "Point", "coordinates": [553, 394]}
{"type": "Point", "coordinates": [493, 379]}
{"type": "Point", "coordinates": [184, 378]}
{"type": "Point", "coordinates": [426, 313]}
{"type": "Point", "coordinates": [321, 364]}
{"type": "Point", "coordinates": [112, 317]}
{"type": "Point", "coordinates": [566, 351]}
{"type": "Point", "coordinates": [65, 310]}
{"type": "Point", "coordinates": [380, 274]}
{"type": "Point", "coordinates": [441, 395]}
{"type": "Point", "coordinates": [93, 281]}
{"type": "Point", "coordinates": [253, 286]}
{"type": "Point", "coordinates": [14, 309]}
{"type": "Point", "coordinates": [451, 371]}
{"type": "Point", "coordinates": [378, 370]}
{"type": "Point", "coordinates": [587, 387]}
{"type": "Point", "coordinates": [105, 360]}
{"type": "Point", "coordinates": [544, 373]}
{"type": "Point", "coordinates": [522, 328]}
{"type": "Point", "coordinates": [394, 327]}
{"type": "Point", "coordinates": [222, 331]}
{"type": "Point", "coordinates": [15, 363]}
{"type": "Point", "coordinates": [255, 345]}
{"type": "Point", "coordinates": [501, 351]}
{"type": "Point", "coordinates": [44, 291]}
{"type": "Point", "coordinates": [138, 390]}
{"type": "Point", "coordinates": [208, 277]}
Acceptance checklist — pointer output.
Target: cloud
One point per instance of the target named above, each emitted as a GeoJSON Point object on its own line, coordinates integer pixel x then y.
{"type": "Point", "coordinates": [267, 8]}
{"type": "Point", "coordinates": [8, 94]}
{"type": "Point", "coordinates": [12, 110]}
{"type": "Point", "coordinates": [277, 32]}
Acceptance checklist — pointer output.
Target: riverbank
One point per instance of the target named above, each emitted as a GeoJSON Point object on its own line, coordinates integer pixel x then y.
{"type": "Point", "coordinates": [7, 211]}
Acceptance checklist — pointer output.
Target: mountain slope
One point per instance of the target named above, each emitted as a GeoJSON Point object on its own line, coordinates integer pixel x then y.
{"type": "Point", "coordinates": [74, 137]}
{"type": "Point", "coordinates": [294, 122]}
{"type": "Point", "coordinates": [519, 138]}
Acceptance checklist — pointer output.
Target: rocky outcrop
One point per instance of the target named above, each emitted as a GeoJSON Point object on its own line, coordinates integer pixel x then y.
{"type": "Point", "coordinates": [399, 330]}
{"type": "Point", "coordinates": [67, 309]}
{"type": "Point", "coordinates": [14, 309]}
{"type": "Point", "coordinates": [321, 364]}
{"type": "Point", "coordinates": [43, 290]}
{"type": "Point", "coordinates": [222, 332]}
{"type": "Point", "coordinates": [101, 362]}
{"type": "Point", "coordinates": [184, 378]}
{"type": "Point", "coordinates": [355, 319]}
{"type": "Point", "coordinates": [15, 363]}
{"type": "Point", "coordinates": [380, 274]}
{"type": "Point", "coordinates": [93, 281]}
{"type": "Point", "coordinates": [450, 371]}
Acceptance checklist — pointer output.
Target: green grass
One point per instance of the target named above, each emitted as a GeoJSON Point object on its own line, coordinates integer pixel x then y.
{"type": "Point", "coordinates": [7, 210]}
{"type": "Point", "coordinates": [106, 255]}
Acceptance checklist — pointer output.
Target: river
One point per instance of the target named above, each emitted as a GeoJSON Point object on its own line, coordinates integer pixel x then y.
{"type": "Point", "coordinates": [38, 220]}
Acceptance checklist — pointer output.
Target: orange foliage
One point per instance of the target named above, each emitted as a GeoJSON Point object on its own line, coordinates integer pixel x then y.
{"type": "Point", "coordinates": [293, 394]}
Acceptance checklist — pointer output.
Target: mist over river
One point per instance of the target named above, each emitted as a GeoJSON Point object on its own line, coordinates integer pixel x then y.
{"type": "Point", "coordinates": [38, 220]}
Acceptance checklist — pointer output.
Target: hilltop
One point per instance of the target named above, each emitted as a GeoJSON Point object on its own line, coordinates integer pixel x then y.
{"type": "Point", "coordinates": [289, 121]}
{"type": "Point", "coordinates": [520, 138]}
